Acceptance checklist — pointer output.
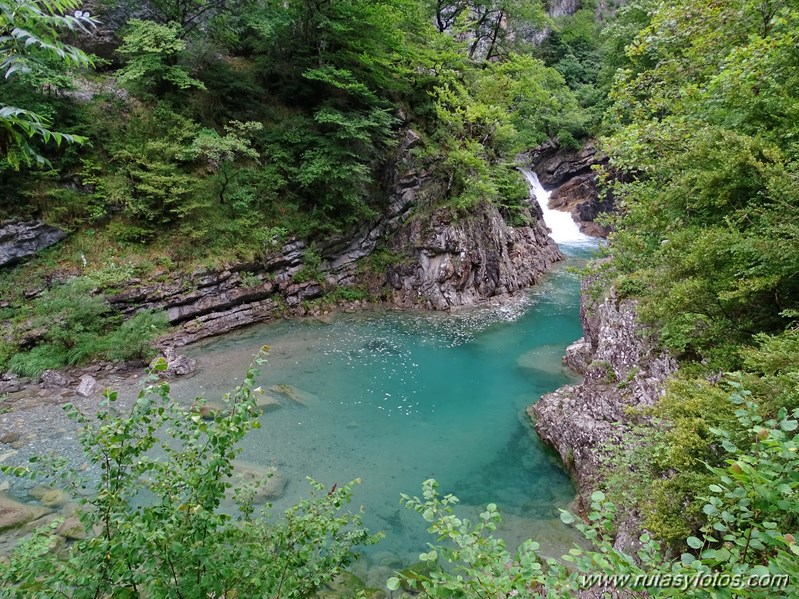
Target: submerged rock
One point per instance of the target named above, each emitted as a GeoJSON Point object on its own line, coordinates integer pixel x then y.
{"type": "Point", "coordinates": [543, 359]}
{"type": "Point", "coordinates": [346, 584]}
{"type": "Point", "coordinates": [49, 497]}
{"type": "Point", "coordinates": [268, 481]}
{"type": "Point", "coordinates": [14, 513]}
{"type": "Point", "coordinates": [266, 403]}
{"type": "Point", "coordinates": [304, 398]}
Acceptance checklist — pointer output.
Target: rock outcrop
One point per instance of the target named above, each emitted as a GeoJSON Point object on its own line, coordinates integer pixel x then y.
{"type": "Point", "coordinates": [446, 263]}
{"type": "Point", "coordinates": [22, 239]}
{"type": "Point", "coordinates": [452, 262]}
{"type": "Point", "coordinates": [622, 368]}
{"type": "Point", "coordinates": [213, 302]}
{"type": "Point", "coordinates": [570, 175]}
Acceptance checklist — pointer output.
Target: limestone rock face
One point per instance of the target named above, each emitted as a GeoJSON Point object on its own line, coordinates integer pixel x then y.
{"type": "Point", "coordinates": [458, 262]}
{"type": "Point", "coordinates": [20, 240]}
{"type": "Point", "coordinates": [622, 369]}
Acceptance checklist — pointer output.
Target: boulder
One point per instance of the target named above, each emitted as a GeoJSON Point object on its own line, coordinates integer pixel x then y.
{"type": "Point", "coordinates": [346, 584]}
{"type": "Point", "coordinates": [88, 385]}
{"type": "Point", "coordinates": [208, 410]}
{"type": "Point", "coordinates": [269, 482]}
{"type": "Point", "coordinates": [49, 497]}
{"type": "Point", "coordinates": [52, 379]}
{"type": "Point", "coordinates": [22, 239]}
{"type": "Point", "coordinates": [304, 398]}
{"type": "Point", "coordinates": [176, 364]}
{"type": "Point", "coordinates": [10, 384]}
{"type": "Point", "coordinates": [14, 513]}
{"type": "Point", "coordinates": [266, 403]}
{"type": "Point", "coordinates": [72, 529]}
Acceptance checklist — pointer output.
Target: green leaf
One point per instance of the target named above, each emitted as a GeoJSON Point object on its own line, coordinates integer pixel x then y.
{"type": "Point", "coordinates": [694, 542]}
{"type": "Point", "coordinates": [566, 517]}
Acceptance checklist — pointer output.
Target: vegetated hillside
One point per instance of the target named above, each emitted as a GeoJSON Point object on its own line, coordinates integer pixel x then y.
{"type": "Point", "coordinates": [703, 126]}
{"type": "Point", "coordinates": [212, 130]}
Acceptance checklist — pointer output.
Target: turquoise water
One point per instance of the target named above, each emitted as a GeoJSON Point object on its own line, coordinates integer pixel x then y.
{"type": "Point", "coordinates": [398, 397]}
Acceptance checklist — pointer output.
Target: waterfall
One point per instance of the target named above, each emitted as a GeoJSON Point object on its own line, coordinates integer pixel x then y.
{"type": "Point", "coordinates": [564, 231]}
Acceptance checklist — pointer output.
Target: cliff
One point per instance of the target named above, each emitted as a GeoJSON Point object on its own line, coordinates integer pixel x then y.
{"type": "Point", "coordinates": [439, 262]}
{"type": "Point", "coordinates": [622, 368]}
{"type": "Point", "coordinates": [453, 262]}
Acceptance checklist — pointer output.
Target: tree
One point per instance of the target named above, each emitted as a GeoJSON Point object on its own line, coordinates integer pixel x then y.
{"type": "Point", "coordinates": [221, 152]}
{"type": "Point", "coordinates": [29, 31]}
{"type": "Point", "coordinates": [151, 50]}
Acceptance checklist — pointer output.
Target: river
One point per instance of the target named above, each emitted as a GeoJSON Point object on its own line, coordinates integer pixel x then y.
{"type": "Point", "coordinates": [396, 397]}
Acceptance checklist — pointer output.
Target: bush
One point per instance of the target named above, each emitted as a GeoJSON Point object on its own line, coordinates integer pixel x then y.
{"type": "Point", "coordinates": [154, 526]}
{"type": "Point", "coordinates": [77, 324]}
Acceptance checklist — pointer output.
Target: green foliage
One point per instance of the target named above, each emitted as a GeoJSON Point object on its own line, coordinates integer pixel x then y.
{"type": "Point", "coordinates": [151, 50]}
{"type": "Point", "coordinates": [703, 135]}
{"type": "Point", "coordinates": [155, 524]}
{"type": "Point", "coordinates": [749, 537]}
{"type": "Point", "coordinates": [486, 116]}
{"type": "Point", "coordinates": [221, 152]}
{"type": "Point", "coordinates": [72, 323]}
{"type": "Point", "coordinates": [29, 37]}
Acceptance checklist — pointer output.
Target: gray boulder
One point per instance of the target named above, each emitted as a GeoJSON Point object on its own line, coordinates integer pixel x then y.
{"type": "Point", "coordinates": [87, 386]}
{"type": "Point", "coordinates": [20, 240]}
{"type": "Point", "coordinates": [52, 379]}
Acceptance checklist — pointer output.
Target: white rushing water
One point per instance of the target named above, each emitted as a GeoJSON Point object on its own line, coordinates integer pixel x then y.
{"type": "Point", "coordinates": [565, 232]}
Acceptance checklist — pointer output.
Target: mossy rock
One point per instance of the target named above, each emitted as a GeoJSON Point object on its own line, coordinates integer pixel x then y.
{"type": "Point", "coordinates": [371, 593]}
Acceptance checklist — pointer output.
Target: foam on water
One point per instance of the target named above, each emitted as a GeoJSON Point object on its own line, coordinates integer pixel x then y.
{"type": "Point", "coordinates": [564, 231]}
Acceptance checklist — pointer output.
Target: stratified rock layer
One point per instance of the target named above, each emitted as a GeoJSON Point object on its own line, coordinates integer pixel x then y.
{"type": "Point", "coordinates": [452, 262]}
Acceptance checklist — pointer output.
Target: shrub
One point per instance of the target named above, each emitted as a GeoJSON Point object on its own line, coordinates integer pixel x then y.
{"type": "Point", "coordinates": [154, 526]}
